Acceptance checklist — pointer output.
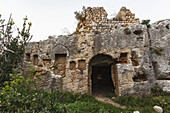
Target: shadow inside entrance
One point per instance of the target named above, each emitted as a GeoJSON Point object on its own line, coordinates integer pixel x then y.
{"type": "Point", "coordinates": [102, 84]}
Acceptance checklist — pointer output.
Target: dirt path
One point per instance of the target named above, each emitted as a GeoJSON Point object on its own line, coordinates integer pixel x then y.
{"type": "Point", "coordinates": [108, 100]}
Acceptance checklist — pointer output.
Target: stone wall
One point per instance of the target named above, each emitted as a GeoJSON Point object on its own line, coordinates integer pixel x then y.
{"type": "Point", "coordinates": [95, 20]}
{"type": "Point", "coordinates": [126, 16]}
{"type": "Point", "coordinates": [140, 57]}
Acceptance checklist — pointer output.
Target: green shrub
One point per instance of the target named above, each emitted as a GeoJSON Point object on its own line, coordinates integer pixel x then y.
{"type": "Point", "coordinates": [157, 91]}
{"type": "Point", "coordinates": [79, 15]}
{"type": "Point", "coordinates": [16, 94]}
{"type": "Point", "coordinates": [158, 50]}
{"type": "Point", "coordinates": [145, 105]}
{"type": "Point", "coordinates": [21, 94]}
{"type": "Point", "coordinates": [16, 44]}
{"type": "Point", "coordinates": [146, 22]}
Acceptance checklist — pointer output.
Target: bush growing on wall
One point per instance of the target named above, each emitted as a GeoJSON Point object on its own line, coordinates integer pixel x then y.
{"type": "Point", "coordinates": [79, 15]}
{"type": "Point", "coordinates": [146, 22]}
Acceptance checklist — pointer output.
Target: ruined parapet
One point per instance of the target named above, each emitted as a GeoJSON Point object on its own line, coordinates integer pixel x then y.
{"type": "Point", "coordinates": [95, 20]}
{"type": "Point", "coordinates": [126, 17]}
{"type": "Point", "coordinates": [95, 15]}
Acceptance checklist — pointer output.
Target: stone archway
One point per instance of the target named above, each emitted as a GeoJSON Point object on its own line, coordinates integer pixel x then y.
{"type": "Point", "coordinates": [102, 73]}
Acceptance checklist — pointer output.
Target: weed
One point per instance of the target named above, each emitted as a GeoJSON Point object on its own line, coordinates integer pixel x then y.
{"type": "Point", "coordinates": [146, 22]}
{"type": "Point", "coordinates": [79, 15]}
{"type": "Point", "coordinates": [158, 50]}
{"type": "Point", "coordinates": [145, 104]}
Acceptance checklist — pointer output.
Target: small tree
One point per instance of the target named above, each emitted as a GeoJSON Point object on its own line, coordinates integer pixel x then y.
{"type": "Point", "coordinates": [12, 47]}
{"type": "Point", "coordinates": [79, 14]}
{"type": "Point", "coordinates": [146, 22]}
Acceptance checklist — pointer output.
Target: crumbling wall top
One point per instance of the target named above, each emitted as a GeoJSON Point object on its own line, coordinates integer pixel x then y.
{"type": "Point", "coordinates": [126, 15]}
{"type": "Point", "coordinates": [95, 20]}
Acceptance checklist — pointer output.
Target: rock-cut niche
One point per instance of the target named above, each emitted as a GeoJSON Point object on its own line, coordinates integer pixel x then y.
{"type": "Point", "coordinates": [60, 54]}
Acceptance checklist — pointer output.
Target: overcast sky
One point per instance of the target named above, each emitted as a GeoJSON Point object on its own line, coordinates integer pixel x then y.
{"type": "Point", "coordinates": [50, 17]}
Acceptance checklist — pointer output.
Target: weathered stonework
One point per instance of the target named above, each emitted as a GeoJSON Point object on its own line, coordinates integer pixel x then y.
{"type": "Point", "coordinates": [133, 60]}
{"type": "Point", "coordinates": [95, 20]}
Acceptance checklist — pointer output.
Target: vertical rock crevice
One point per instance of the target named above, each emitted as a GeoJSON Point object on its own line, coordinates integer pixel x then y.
{"type": "Point", "coordinates": [151, 75]}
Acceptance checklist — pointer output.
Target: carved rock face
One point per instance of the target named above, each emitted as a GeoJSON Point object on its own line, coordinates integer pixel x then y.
{"type": "Point", "coordinates": [136, 63]}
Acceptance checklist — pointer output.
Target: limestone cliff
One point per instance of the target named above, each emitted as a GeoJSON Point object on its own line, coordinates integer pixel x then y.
{"type": "Point", "coordinates": [133, 56]}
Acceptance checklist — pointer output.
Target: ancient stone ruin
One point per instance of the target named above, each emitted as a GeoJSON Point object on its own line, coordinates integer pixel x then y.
{"type": "Point", "coordinates": [105, 56]}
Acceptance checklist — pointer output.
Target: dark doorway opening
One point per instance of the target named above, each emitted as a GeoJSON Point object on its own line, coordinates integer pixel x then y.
{"type": "Point", "coordinates": [28, 56]}
{"type": "Point", "coordinates": [102, 84]}
{"type": "Point", "coordinates": [35, 60]}
{"type": "Point", "coordinates": [103, 79]}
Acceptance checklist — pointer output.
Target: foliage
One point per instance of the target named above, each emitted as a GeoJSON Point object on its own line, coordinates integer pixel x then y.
{"type": "Point", "coordinates": [146, 22]}
{"type": "Point", "coordinates": [21, 95]}
{"type": "Point", "coordinates": [145, 104]}
{"type": "Point", "coordinates": [79, 15]}
{"type": "Point", "coordinates": [158, 50]}
{"type": "Point", "coordinates": [8, 60]}
{"type": "Point", "coordinates": [16, 92]}
{"type": "Point", "coordinates": [157, 91]}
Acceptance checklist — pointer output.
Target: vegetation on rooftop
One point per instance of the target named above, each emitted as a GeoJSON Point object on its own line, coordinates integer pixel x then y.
{"type": "Point", "coordinates": [79, 14]}
{"type": "Point", "coordinates": [146, 22]}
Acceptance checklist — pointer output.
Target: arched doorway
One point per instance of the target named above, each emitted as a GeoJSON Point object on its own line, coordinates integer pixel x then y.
{"type": "Point", "coordinates": [103, 76]}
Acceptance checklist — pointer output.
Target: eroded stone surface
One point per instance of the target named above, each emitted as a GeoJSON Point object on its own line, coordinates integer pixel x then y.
{"type": "Point", "coordinates": [138, 60]}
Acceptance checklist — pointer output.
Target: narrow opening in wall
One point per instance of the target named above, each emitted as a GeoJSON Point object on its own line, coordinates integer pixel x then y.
{"type": "Point", "coordinates": [35, 60]}
{"type": "Point", "coordinates": [155, 69]}
{"type": "Point", "coordinates": [27, 57]}
{"type": "Point", "coordinates": [81, 64]}
{"type": "Point", "coordinates": [140, 77]}
{"type": "Point", "coordinates": [164, 77]}
{"type": "Point", "coordinates": [134, 58]}
{"type": "Point", "coordinates": [72, 65]}
{"type": "Point", "coordinates": [60, 64]}
{"type": "Point", "coordinates": [167, 26]}
{"type": "Point", "coordinates": [123, 58]}
{"type": "Point", "coordinates": [137, 32]}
